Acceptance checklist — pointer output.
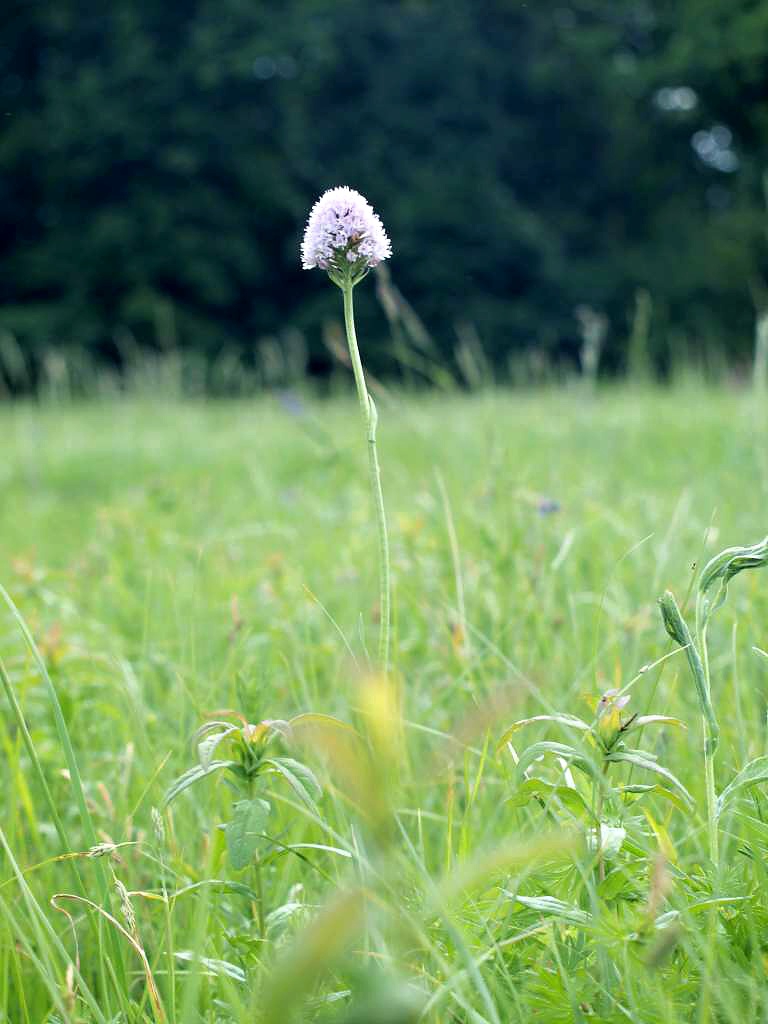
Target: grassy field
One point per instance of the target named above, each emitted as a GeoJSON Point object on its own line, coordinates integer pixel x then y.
{"type": "Point", "coordinates": [175, 561]}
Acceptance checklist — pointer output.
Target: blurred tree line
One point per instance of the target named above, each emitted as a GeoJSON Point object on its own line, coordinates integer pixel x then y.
{"type": "Point", "coordinates": [158, 160]}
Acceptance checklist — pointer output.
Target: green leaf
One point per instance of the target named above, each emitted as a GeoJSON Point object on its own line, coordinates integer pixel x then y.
{"type": "Point", "coordinates": [193, 775]}
{"type": "Point", "coordinates": [721, 569]}
{"type": "Point", "coordinates": [300, 778]}
{"type": "Point", "coordinates": [571, 721]}
{"type": "Point", "coordinates": [210, 738]}
{"type": "Point", "coordinates": [677, 628]}
{"type": "Point", "coordinates": [640, 791]}
{"type": "Point", "coordinates": [314, 718]}
{"type": "Point", "coordinates": [641, 761]}
{"type": "Point", "coordinates": [245, 831]}
{"type": "Point", "coordinates": [221, 967]}
{"type": "Point", "coordinates": [550, 794]}
{"type": "Point", "coordinates": [643, 720]}
{"type": "Point", "coordinates": [618, 882]}
{"type": "Point", "coordinates": [750, 775]}
{"type": "Point", "coordinates": [553, 907]}
{"type": "Point", "coordinates": [570, 754]}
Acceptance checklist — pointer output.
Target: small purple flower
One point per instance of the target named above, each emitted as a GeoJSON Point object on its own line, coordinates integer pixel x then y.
{"type": "Point", "coordinates": [343, 235]}
{"type": "Point", "coordinates": [548, 506]}
{"type": "Point", "coordinates": [612, 699]}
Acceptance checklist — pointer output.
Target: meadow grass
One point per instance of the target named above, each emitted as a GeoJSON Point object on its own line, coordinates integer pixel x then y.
{"type": "Point", "coordinates": [174, 560]}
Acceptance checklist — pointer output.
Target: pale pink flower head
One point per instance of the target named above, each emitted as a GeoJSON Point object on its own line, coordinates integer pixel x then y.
{"type": "Point", "coordinates": [344, 236]}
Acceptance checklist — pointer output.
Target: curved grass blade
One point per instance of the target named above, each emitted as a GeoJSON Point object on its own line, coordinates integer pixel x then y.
{"type": "Point", "coordinates": [74, 771]}
{"type": "Point", "coordinates": [721, 569]}
{"type": "Point", "coordinates": [750, 775]}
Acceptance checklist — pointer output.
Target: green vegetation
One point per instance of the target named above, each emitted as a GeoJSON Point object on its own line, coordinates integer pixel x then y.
{"type": "Point", "coordinates": [384, 859]}
{"type": "Point", "coordinates": [157, 162]}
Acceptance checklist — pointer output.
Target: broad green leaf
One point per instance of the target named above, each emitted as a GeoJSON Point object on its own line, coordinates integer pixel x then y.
{"type": "Point", "coordinates": [550, 794]}
{"type": "Point", "coordinates": [570, 754]}
{"type": "Point", "coordinates": [670, 795]}
{"type": "Point", "coordinates": [571, 721]}
{"type": "Point", "coordinates": [639, 753]}
{"type": "Point", "coordinates": [245, 830]}
{"type": "Point", "coordinates": [617, 882]}
{"type": "Point", "coordinates": [193, 775]}
{"type": "Point", "coordinates": [750, 775]}
{"type": "Point", "coordinates": [641, 761]}
{"type": "Point", "coordinates": [207, 744]}
{"type": "Point", "coordinates": [643, 720]}
{"type": "Point", "coordinates": [301, 779]}
{"type": "Point", "coordinates": [214, 725]}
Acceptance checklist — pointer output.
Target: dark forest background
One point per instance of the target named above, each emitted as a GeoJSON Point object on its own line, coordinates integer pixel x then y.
{"type": "Point", "coordinates": [539, 166]}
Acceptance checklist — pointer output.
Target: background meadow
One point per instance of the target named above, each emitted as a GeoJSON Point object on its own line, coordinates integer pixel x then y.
{"type": "Point", "coordinates": [216, 807]}
{"type": "Point", "coordinates": [174, 559]}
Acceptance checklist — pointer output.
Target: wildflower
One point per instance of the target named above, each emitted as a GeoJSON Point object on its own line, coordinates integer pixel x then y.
{"type": "Point", "coordinates": [609, 721]}
{"type": "Point", "coordinates": [344, 236]}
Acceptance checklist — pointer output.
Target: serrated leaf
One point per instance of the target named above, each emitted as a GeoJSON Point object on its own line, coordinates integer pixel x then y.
{"type": "Point", "coordinates": [300, 778]}
{"type": "Point", "coordinates": [245, 830]}
{"type": "Point", "coordinates": [193, 775]}
{"type": "Point", "coordinates": [750, 775]}
{"type": "Point", "coordinates": [571, 721]}
{"type": "Point", "coordinates": [641, 761]}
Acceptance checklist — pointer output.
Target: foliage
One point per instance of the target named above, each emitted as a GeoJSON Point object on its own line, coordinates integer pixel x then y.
{"type": "Point", "coordinates": [158, 162]}
{"type": "Point", "coordinates": [367, 854]}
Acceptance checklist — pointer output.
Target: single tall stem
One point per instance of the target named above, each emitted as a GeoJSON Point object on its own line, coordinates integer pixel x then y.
{"type": "Point", "coordinates": [710, 743]}
{"type": "Point", "coordinates": [760, 371]}
{"type": "Point", "coordinates": [369, 415]}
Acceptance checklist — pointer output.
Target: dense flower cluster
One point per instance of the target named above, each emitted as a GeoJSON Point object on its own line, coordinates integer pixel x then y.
{"type": "Point", "coordinates": [344, 234]}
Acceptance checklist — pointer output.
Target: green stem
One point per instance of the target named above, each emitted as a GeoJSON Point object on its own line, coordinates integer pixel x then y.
{"type": "Point", "coordinates": [709, 775]}
{"type": "Point", "coordinates": [698, 662]}
{"type": "Point", "coordinates": [710, 745]}
{"type": "Point", "coordinates": [760, 371]}
{"type": "Point", "coordinates": [599, 801]}
{"type": "Point", "coordinates": [368, 410]}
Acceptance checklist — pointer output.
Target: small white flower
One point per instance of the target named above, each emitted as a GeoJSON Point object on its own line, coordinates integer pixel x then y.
{"type": "Point", "coordinates": [344, 235]}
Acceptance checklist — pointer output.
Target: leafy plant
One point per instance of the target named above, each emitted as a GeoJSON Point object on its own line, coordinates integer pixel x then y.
{"type": "Point", "coordinates": [250, 768]}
